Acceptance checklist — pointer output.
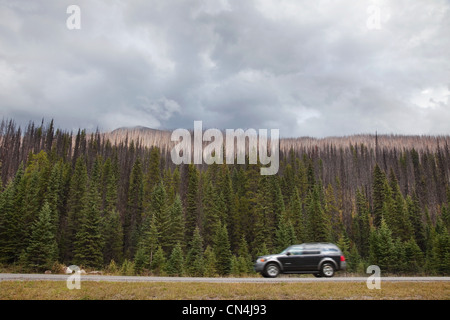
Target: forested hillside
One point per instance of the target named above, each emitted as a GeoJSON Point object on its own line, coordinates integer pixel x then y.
{"type": "Point", "coordinates": [116, 201]}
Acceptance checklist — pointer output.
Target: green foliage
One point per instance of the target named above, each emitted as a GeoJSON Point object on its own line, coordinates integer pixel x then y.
{"type": "Point", "coordinates": [158, 265]}
{"type": "Point", "coordinates": [124, 202]}
{"type": "Point", "coordinates": [175, 264]}
{"type": "Point", "coordinates": [176, 226]}
{"type": "Point", "coordinates": [210, 262]}
{"type": "Point", "coordinates": [191, 202]}
{"type": "Point", "coordinates": [382, 251]}
{"type": "Point", "coordinates": [88, 246]}
{"type": "Point", "coordinates": [194, 260]}
{"type": "Point", "coordinates": [222, 251]}
{"type": "Point", "coordinates": [134, 210]}
{"type": "Point", "coordinates": [42, 250]}
{"type": "Point", "coordinates": [285, 233]}
{"type": "Point", "coordinates": [318, 225]}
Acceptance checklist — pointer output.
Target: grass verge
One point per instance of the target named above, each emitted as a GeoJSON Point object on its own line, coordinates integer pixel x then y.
{"type": "Point", "coordinates": [57, 290]}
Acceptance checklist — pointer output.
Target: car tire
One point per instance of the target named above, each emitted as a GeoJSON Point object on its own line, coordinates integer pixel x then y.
{"type": "Point", "coordinates": [317, 275]}
{"type": "Point", "coordinates": [327, 270]}
{"type": "Point", "coordinates": [272, 270]}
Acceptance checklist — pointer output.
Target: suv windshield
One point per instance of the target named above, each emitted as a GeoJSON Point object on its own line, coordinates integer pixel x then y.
{"type": "Point", "coordinates": [292, 249]}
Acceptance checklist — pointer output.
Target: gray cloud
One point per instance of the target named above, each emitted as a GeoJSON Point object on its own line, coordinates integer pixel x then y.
{"type": "Point", "coordinates": [307, 68]}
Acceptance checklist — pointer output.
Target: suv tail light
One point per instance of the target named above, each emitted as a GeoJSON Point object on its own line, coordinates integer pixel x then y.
{"type": "Point", "coordinates": [342, 258]}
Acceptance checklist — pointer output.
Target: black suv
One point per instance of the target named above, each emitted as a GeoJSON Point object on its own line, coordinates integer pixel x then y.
{"type": "Point", "coordinates": [320, 259]}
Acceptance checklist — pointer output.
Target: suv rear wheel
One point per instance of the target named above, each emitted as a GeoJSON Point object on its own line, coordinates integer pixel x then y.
{"type": "Point", "coordinates": [327, 270]}
{"type": "Point", "coordinates": [272, 270]}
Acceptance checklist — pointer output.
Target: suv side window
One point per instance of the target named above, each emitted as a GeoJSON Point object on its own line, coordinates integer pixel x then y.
{"type": "Point", "coordinates": [316, 251]}
{"type": "Point", "coordinates": [297, 252]}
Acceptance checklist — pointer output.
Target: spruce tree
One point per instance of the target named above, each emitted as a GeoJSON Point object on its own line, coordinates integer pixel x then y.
{"type": "Point", "coordinates": [134, 210]}
{"type": "Point", "coordinates": [11, 219]}
{"type": "Point", "coordinates": [113, 236]}
{"type": "Point", "coordinates": [149, 240]}
{"type": "Point", "coordinates": [175, 264]}
{"type": "Point", "coordinates": [210, 262]}
{"type": "Point", "coordinates": [244, 257]}
{"type": "Point", "coordinates": [42, 250]}
{"type": "Point", "coordinates": [298, 216]}
{"type": "Point", "coordinates": [318, 225]}
{"type": "Point", "coordinates": [211, 213]}
{"type": "Point", "coordinates": [191, 203]}
{"type": "Point", "coordinates": [285, 234]}
{"type": "Point", "coordinates": [416, 219]}
{"type": "Point", "coordinates": [161, 214]}
{"type": "Point", "coordinates": [75, 205]}
{"type": "Point", "coordinates": [141, 260]}
{"type": "Point", "coordinates": [153, 175]}
{"type": "Point", "coordinates": [382, 247]}
{"type": "Point", "coordinates": [222, 251]}
{"type": "Point", "coordinates": [194, 259]}
{"type": "Point", "coordinates": [362, 224]}
{"type": "Point", "coordinates": [413, 256]}
{"type": "Point", "coordinates": [88, 246]}
{"type": "Point", "coordinates": [54, 194]}
{"type": "Point", "coordinates": [378, 194]}
{"type": "Point", "coordinates": [158, 265]}
{"type": "Point", "coordinates": [234, 266]}
{"type": "Point", "coordinates": [176, 227]}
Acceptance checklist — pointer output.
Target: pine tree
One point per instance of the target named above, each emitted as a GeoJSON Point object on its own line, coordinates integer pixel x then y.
{"type": "Point", "coordinates": [88, 246]}
{"type": "Point", "coordinates": [440, 255]}
{"type": "Point", "coordinates": [42, 250]}
{"type": "Point", "coordinates": [158, 265]}
{"type": "Point", "coordinates": [194, 260]}
{"type": "Point", "coordinates": [161, 214]}
{"type": "Point", "coordinates": [244, 257]}
{"type": "Point", "coordinates": [415, 217]}
{"type": "Point", "coordinates": [133, 214]}
{"type": "Point", "coordinates": [222, 251]}
{"type": "Point", "coordinates": [318, 225]}
{"type": "Point", "coordinates": [153, 176]}
{"type": "Point", "coordinates": [378, 194]}
{"type": "Point", "coordinates": [285, 234]}
{"type": "Point", "coordinates": [234, 266]}
{"type": "Point", "coordinates": [54, 195]}
{"type": "Point", "coordinates": [381, 247]}
{"type": "Point", "coordinates": [210, 262]}
{"type": "Point", "coordinates": [110, 179]}
{"type": "Point", "coordinates": [298, 216]}
{"type": "Point", "coordinates": [141, 260]}
{"type": "Point", "coordinates": [413, 256]}
{"type": "Point", "coordinates": [176, 227]}
{"type": "Point", "coordinates": [75, 204]}
{"type": "Point", "coordinates": [211, 213]}
{"type": "Point", "coordinates": [397, 217]}
{"type": "Point", "coordinates": [332, 213]}
{"type": "Point", "coordinates": [148, 243]}
{"type": "Point", "coordinates": [191, 203]}
{"type": "Point", "coordinates": [362, 224]}
{"type": "Point", "coordinates": [175, 264]}
{"type": "Point", "coordinates": [11, 225]}
{"type": "Point", "coordinates": [113, 235]}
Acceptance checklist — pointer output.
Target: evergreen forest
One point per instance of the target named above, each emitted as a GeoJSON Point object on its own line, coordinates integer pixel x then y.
{"type": "Point", "coordinates": [86, 199]}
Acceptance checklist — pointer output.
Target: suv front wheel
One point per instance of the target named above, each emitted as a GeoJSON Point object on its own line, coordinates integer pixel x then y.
{"type": "Point", "coordinates": [272, 270]}
{"type": "Point", "coordinates": [327, 270]}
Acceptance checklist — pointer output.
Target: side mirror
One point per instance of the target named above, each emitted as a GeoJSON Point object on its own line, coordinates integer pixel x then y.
{"type": "Point", "coordinates": [288, 253]}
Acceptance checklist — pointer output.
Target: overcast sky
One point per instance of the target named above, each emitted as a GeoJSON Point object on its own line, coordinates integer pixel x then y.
{"type": "Point", "coordinates": [308, 68]}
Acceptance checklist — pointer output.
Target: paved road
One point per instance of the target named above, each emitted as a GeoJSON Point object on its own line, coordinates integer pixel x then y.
{"type": "Point", "coordinates": [61, 277]}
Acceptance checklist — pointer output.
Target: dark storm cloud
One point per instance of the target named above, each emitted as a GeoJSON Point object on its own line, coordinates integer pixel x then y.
{"type": "Point", "coordinates": [307, 68]}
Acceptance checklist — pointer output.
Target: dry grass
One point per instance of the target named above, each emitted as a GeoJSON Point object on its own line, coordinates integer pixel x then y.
{"type": "Point", "coordinates": [56, 290]}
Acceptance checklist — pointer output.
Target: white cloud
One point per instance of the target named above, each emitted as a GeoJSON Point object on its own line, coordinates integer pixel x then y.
{"type": "Point", "coordinates": [305, 67]}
